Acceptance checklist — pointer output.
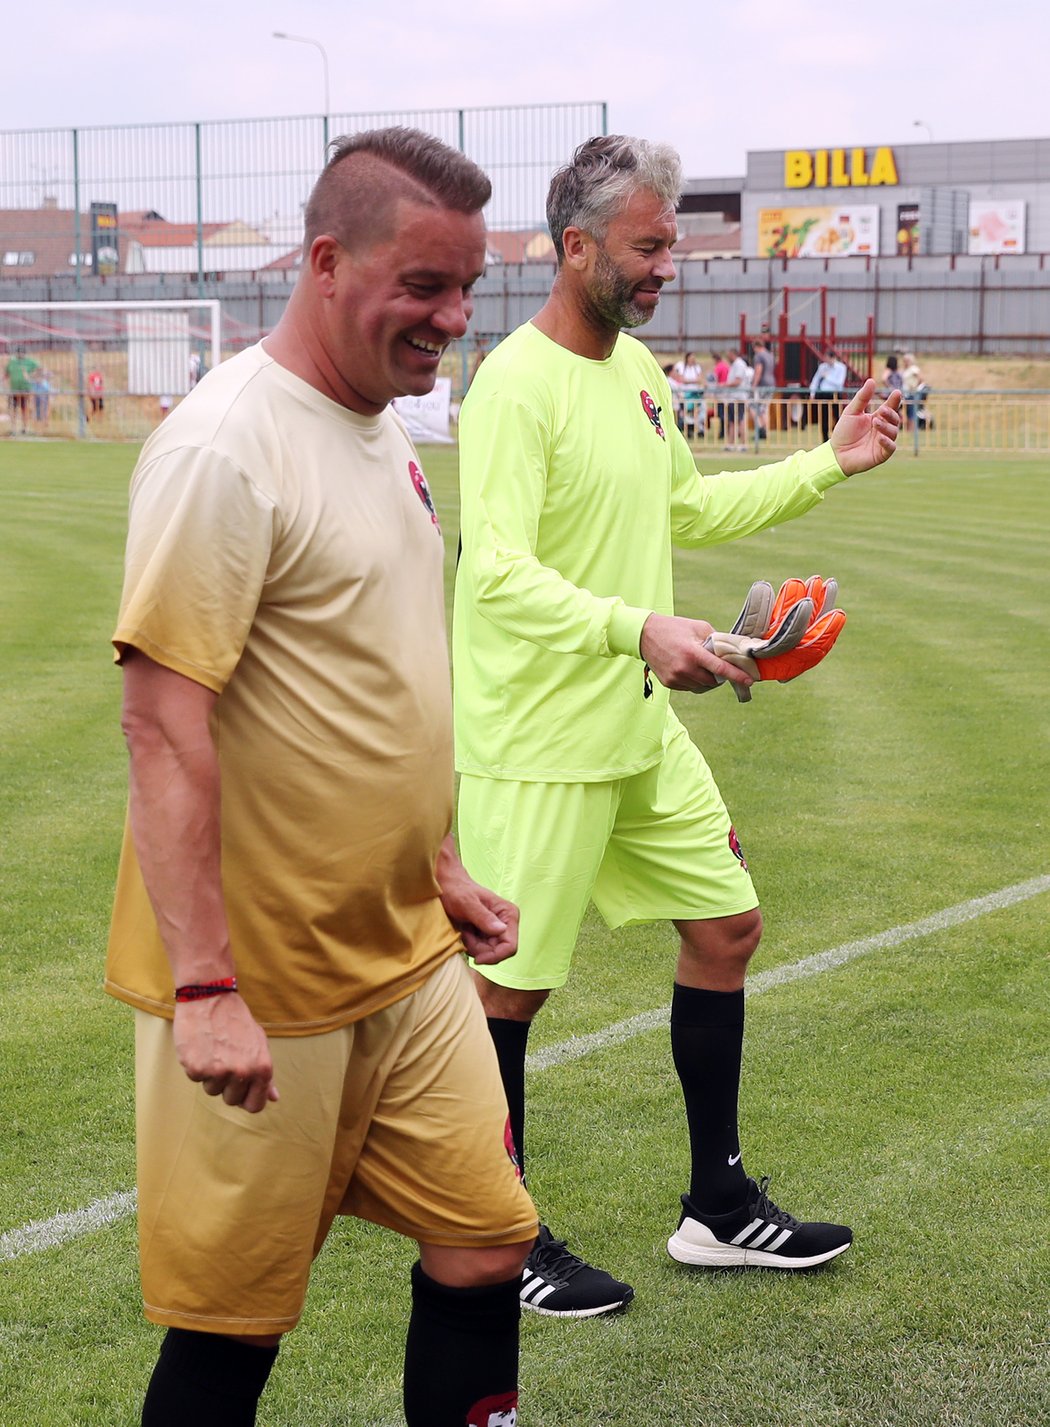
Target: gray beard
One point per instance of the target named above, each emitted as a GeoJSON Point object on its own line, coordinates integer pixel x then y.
{"type": "Point", "coordinates": [612, 296]}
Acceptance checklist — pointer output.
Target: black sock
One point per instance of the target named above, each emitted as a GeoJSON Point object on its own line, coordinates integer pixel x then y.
{"type": "Point", "coordinates": [707, 1037]}
{"type": "Point", "coordinates": [461, 1357]}
{"type": "Point", "coordinates": [510, 1039]}
{"type": "Point", "coordinates": [206, 1380]}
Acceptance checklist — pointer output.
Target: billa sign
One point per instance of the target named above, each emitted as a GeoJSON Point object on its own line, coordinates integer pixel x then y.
{"type": "Point", "coordinates": [839, 168]}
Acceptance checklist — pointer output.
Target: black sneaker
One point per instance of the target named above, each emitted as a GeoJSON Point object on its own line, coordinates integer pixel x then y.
{"type": "Point", "coordinates": [555, 1281]}
{"type": "Point", "coordinates": [759, 1235]}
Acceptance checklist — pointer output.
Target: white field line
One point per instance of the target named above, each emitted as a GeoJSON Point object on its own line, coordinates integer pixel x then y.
{"type": "Point", "coordinates": [48, 1233]}
{"type": "Point", "coordinates": [577, 1046]}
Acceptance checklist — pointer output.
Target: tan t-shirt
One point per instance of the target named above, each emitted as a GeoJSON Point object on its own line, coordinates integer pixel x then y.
{"type": "Point", "coordinates": [284, 552]}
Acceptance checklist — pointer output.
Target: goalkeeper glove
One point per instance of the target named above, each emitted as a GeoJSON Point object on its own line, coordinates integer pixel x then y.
{"type": "Point", "coordinates": [781, 637]}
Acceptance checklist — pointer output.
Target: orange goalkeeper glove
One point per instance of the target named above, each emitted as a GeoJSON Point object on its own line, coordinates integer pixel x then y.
{"type": "Point", "coordinates": [781, 637]}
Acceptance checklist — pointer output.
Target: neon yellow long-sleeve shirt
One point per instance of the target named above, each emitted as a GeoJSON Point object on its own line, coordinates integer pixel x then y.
{"type": "Point", "coordinates": [575, 484]}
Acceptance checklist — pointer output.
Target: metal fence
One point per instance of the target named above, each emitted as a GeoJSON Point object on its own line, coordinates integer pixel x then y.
{"type": "Point", "coordinates": [981, 306]}
{"type": "Point", "coordinates": [198, 198]}
{"type": "Point", "coordinates": [999, 423]}
{"type": "Point", "coordinates": [94, 395]}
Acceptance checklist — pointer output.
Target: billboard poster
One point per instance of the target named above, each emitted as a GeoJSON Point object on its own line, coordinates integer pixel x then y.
{"type": "Point", "coordinates": [105, 256]}
{"type": "Point", "coordinates": [842, 232]}
{"type": "Point", "coordinates": [427, 417]}
{"type": "Point", "coordinates": [908, 230]}
{"type": "Point", "coordinates": [996, 225]}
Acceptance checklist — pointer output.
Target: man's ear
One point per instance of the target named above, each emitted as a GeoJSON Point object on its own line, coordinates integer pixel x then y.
{"type": "Point", "coordinates": [323, 259]}
{"type": "Point", "coordinates": [578, 245]}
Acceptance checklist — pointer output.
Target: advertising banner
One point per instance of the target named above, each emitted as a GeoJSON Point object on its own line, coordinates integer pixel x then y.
{"type": "Point", "coordinates": [844, 232]}
{"type": "Point", "coordinates": [427, 417]}
{"type": "Point", "coordinates": [105, 255]}
{"type": "Point", "coordinates": [908, 230]}
{"type": "Point", "coordinates": [996, 225]}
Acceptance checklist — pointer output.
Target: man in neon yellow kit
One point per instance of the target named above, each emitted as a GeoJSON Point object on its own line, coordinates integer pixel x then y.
{"type": "Point", "coordinates": [578, 781]}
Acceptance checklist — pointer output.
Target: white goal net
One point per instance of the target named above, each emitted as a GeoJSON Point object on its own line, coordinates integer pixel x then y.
{"type": "Point", "coordinates": [105, 370]}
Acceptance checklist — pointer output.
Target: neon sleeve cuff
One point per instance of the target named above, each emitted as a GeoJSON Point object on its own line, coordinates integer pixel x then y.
{"type": "Point", "coordinates": [625, 630]}
{"type": "Point", "coordinates": [821, 468]}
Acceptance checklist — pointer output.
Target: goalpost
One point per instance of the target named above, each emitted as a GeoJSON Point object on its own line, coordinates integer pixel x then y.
{"type": "Point", "coordinates": [109, 370]}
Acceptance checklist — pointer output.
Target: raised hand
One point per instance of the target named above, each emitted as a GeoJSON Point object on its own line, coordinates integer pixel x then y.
{"type": "Point", "coordinates": [863, 439]}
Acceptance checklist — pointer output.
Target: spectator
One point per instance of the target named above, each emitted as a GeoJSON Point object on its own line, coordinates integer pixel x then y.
{"type": "Point", "coordinates": [892, 380]}
{"type": "Point", "coordinates": [686, 378]}
{"type": "Point", "coordinates": [19, 370]}
{"type": "Point", "coordinates": [719, 373]}
{"type": "Point", "coordinates": [764, 384]}
{"type": "Point", "coordinates": [738, 381]}
{"type": "Point", "coordinates": [826, 388]}
{"type": "Point", "coordinates": [96, 392]}
{"type": "Point", "coordinates": [42, 396]}
{"type": "Point", "coordinates": [912, 386]}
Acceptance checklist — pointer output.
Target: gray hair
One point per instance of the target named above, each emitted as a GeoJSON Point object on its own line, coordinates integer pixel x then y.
{"type": "Point", "coordinates": [356, 195]}
{"type": "Point", "coordinates": [600, 179]}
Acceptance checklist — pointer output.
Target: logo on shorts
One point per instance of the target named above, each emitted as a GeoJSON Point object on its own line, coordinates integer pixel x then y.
{"type": "Point", "coordinates": [651, 410]}
{"type": "Point", "coordinates": [419, 480]}
{"type": "Point", "coordinates": [498, 1411]}
{"type": "Point", "coordinates": [736, 849]}
{"type": "Point", "coordinates": [511, 1147]}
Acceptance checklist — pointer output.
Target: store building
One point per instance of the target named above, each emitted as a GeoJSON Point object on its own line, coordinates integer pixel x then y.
{"type": "Point", "coordinates": [986, 198]}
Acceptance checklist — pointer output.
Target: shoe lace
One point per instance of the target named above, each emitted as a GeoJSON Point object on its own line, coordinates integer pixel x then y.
{"type": "Point", "coordinates": [552, 1258]}
{"type": "Point", "coordinates": [765, 1208]}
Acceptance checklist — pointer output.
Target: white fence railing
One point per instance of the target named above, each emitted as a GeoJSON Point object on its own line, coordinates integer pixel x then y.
{"type": "Point", "coordinates": [1012, 423]}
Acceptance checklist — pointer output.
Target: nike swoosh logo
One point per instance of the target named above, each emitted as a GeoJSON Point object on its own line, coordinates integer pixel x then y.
{"type": "Point", "coordinates": [735, 1158]}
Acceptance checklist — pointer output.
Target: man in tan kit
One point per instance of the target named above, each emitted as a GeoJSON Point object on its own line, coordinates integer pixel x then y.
{"type": "Point", "coordinates": [290, 912]}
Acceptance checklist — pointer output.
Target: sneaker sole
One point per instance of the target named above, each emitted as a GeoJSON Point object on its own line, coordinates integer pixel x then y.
{"type": "Point", "coordinates": [730, 1256]}
{"type": "Point", "coordinates": [576, 1312]}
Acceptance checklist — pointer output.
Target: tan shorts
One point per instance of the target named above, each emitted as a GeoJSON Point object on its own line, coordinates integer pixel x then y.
{"type": "Point", "coordinates": [399, 1118]}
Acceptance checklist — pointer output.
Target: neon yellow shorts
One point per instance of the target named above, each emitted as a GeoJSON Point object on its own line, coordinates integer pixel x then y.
{"type": "Point", "coordinates": [657, 846]}
{"type": "Point", "coordinates": [399, 1118]}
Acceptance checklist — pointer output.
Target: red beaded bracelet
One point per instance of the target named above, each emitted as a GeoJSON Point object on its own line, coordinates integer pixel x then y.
{"type": "Point", "coordinates": [201, 990]}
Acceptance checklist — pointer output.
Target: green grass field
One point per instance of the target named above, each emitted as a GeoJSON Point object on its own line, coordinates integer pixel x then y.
{"type": "Point", "coordinates": [904, 1092]}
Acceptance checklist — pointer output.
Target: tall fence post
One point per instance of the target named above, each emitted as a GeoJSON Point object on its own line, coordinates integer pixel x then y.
{"type": "Point", "coordinates": [464, 359]}
{"type": "Point", "coordinates": [77, 265]}
{"type": "Point", "coordinates": [200, 209]}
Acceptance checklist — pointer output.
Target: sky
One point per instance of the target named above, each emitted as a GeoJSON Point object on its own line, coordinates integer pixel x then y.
{"type": "Point", "coordinates": [714, 80]}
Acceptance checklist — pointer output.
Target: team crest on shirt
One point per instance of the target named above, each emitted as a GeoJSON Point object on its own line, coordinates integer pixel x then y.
{"type": "Point", "coordinates": [736, 849]}
{"type": "Point", "coordinates": [651, 410]}
{"type": "Point", "coordinates": [498, 1411]}
{"type": "Point", "coordinates": [419, 480]}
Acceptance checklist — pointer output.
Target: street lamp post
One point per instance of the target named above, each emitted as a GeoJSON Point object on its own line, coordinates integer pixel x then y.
{"type": "Point", "coordinates": [922, 124]}
{"type": "Point", "coordinates": [306, 40]}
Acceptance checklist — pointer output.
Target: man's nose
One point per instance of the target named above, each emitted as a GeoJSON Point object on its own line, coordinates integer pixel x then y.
{"type": "Point", "coordinates": [454, 314]}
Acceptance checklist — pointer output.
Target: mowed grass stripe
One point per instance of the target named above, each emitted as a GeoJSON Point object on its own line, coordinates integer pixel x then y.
{"type": "Point", "coordinates": [906, 1097]}
{"type": "Point", "coordinates": [36, 1237]}
{"type": "Point", "coordinates": [579, 1046]}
